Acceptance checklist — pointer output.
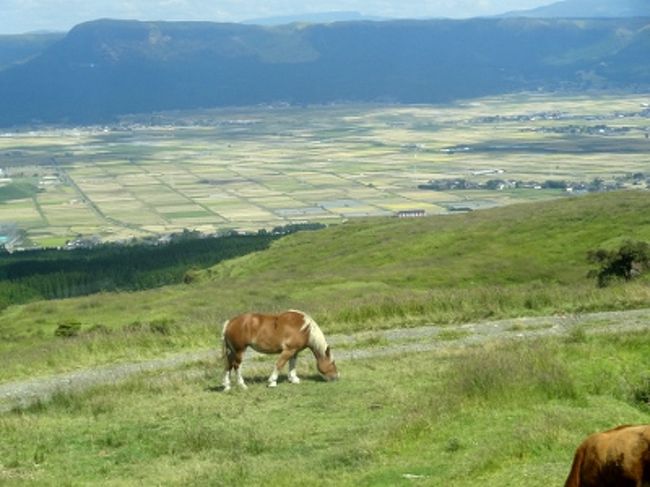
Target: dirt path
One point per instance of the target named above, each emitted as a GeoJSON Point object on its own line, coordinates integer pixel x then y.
{"type": "Point", "coordinates": [347, 347]}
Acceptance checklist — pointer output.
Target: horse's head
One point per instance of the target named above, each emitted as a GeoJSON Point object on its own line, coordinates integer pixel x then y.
{"type": "Point", "coordinates": [327, 366]}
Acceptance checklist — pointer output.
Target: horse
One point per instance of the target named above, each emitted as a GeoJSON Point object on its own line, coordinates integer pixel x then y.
{"type": "Point", "coordinates": [618, 457]}
{"type": "Point", "coordinates": [287, 334]}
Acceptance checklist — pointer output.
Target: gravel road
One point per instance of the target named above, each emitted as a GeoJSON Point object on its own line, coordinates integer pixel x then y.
{"type": "Point", "coordinates": [346, 347]}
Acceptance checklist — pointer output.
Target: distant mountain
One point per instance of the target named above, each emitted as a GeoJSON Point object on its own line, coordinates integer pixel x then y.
{"type": "Point", "coordinates": [20, 48]}
{"type": "Point", "coordinates": [588, 9]}
{"type": "Point", "coordinates": [105, 68]}
{"type": "Point", "coordinates": [313, 18]}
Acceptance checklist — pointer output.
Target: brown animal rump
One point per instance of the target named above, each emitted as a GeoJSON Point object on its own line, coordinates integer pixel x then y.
{"type": "Point", "coordinates": [618, 458]}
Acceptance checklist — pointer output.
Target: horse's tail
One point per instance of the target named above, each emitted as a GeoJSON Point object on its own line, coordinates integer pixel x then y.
{"type": "Point", "coordinates": [573, 480]}
{"type": "Point", "coordinates": [224, 344]}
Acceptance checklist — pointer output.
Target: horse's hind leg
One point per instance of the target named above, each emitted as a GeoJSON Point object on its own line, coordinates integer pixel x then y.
{"type": "Point", "coordinates": [233, 361]}
{"type": "Point", "coordinates": [293, 375]}
{"type": "Point", "coordinates": [229, 365]}
{"type": "Point", "coordinates": [239, 357]}
{"type": "Point", "coordinates": [226, 381]}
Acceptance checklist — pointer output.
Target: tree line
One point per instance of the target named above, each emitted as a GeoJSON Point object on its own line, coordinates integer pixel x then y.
{"type": "Point", "coordinates": [55, 274]}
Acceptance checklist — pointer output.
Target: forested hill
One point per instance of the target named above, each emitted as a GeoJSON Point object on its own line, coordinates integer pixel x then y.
{"type": "Point", "coordinates": [55, 274]}
{"type": "Point", "coordinates": [105, 68]}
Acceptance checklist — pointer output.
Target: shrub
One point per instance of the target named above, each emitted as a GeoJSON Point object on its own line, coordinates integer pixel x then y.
{"type": "Point", "coordinates": [628, 262]}
{"type": "Point", "coordinates": [191, 275]}
{"type": "Point", "coordinates": [162, 326]}
{"type": "Point", "coordinates": [68, 329]}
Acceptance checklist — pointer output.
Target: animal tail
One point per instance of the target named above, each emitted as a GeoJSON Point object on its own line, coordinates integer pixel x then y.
{"type": "Point", "coordinates": [573, 480]}
{"type": "Point", "coordinates": [224, 344]}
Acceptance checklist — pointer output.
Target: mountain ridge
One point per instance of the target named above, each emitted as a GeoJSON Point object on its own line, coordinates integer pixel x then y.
{"type": "Point", "coordinates": [313, 18]}
{"type": "Point", "coordinates": [106, 68]}
{"type": "Point", "coordinates": [587, 9]}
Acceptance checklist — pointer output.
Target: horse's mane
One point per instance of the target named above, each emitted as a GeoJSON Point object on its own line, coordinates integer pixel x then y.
{"type": "Point", "coordinates": [317, 340]}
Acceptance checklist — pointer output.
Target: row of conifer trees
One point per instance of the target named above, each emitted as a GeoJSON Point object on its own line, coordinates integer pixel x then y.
{"type": "Point", "coordinates": [55, 274]}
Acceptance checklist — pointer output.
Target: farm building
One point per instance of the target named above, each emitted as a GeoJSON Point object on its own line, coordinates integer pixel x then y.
{"type": "Point", "coordinates": [410, 213]}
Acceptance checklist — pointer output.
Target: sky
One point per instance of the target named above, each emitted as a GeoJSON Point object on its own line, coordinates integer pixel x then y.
{"type": "Point", "coordinates": [20, 16]}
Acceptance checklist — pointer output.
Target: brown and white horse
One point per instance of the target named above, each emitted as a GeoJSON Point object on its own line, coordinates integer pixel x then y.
{"type": "Point", "coordinates": [287, 334]}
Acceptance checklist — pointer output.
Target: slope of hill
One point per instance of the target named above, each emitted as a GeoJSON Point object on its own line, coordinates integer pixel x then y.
{"type": "Point", "coordinates": [588, 9]}
{"type": "Point", "coordinates": [21, 48]}
{"type": "Point", "coordinates": [106, 68]}
{"type": "Point", "coordinates": [516, 245]}
{"type": "Point", "coordinates": [522, 260]}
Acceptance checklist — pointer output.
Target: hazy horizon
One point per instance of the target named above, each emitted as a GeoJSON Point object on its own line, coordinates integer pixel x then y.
{"type": "Point", "coordinates": [20, 16]}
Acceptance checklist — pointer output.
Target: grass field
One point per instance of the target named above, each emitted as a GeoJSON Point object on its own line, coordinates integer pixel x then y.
{"type": "Point", "coordinates": [492, 415]}
{"type": "Point", "coordinates": [249, 169]}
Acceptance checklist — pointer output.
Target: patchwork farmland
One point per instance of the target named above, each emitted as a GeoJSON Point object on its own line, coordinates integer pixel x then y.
{"type": "Point", "coordinates": [251, 169]}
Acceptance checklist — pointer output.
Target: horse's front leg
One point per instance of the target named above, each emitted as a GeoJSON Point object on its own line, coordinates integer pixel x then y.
{"type": "Point", "coordinates": [293, 375]}
{"type": "Point", "coordinates": [284, 356]}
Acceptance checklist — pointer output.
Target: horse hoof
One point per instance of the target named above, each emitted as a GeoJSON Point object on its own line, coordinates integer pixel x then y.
{"type": "Point", "coordinates": [295, 380]}
{"type": "Point", "coordinates": [243, 386]}
{"type": "Point", "coordinates": [226, 389]}
{"type": "Point", "coordinates": [273, 384]}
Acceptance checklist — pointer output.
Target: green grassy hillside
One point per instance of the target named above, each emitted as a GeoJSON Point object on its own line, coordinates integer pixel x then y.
{"type": "Point", "coordinates": [517, 259]}
{"type": "Point", "coordinates": [491, 416]}
{"type": "Point", "coordinates": [520, 260]}
{"type": "Point", "coordinates": [513, 245]}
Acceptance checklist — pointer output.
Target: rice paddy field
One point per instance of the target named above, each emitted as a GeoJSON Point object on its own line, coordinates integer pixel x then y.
{"type": "Point", "coordinates": [257, 168]}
